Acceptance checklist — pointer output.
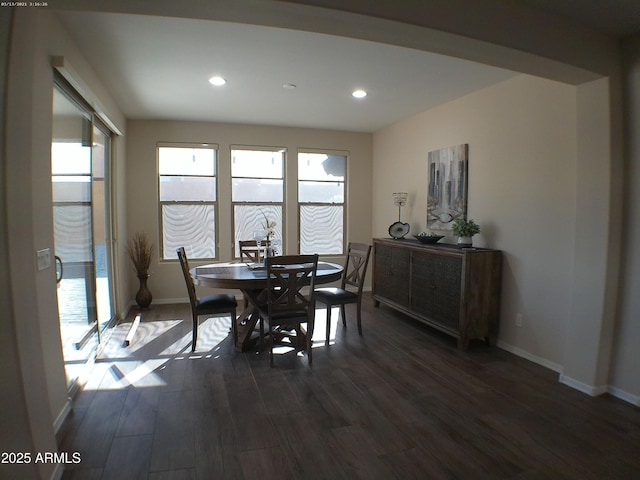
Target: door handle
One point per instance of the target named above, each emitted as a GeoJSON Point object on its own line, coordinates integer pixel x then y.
{"type": "Point", "coordinates": [59, 269]}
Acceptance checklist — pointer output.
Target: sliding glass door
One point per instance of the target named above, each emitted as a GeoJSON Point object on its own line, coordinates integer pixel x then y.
{"type": "Point", "coordinates": [79, 167]}
{"type": "Point", "coordinates": [101, 225]}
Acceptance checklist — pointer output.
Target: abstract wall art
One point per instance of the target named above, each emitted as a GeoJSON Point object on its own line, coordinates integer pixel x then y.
{"type": "Point", "coordinates": [448, 171]}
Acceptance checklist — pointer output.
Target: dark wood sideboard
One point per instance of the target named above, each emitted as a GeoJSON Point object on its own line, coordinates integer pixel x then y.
{"type": "Point", "coordinates": [453, 289]}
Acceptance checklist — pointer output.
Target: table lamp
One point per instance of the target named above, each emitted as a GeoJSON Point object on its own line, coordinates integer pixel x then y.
{"type": "Point", "coordinates": [398, 230]}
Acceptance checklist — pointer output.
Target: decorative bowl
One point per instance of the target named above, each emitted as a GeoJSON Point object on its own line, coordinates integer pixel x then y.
{"type": "Point", "coordinates": [429, 239]}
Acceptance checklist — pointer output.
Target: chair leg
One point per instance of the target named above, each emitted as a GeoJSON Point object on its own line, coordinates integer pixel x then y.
{"type": "Point", "coordinates": [358, 313]}
{"type": "Point", "coordinates": [328, 322]}
{"type": "Point", "coordinates": [234, 326]}
{"type": "Point", "coordinates": [271, 344]}
{"type": "Point", "coordinates": [261, 325]}
{"type": "Point", "coordinates": [344, 315]}
{"type": "Point", "coordinates": [310, 342]}
{"type": "Point", "coordinates": [194, 337]}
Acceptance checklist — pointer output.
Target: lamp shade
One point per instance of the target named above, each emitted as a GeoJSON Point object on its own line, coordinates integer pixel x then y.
{"type": "Point", "coordinates": [400, 199]}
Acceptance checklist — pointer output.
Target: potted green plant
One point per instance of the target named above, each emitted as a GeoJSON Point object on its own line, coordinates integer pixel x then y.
{"type": "Point", "coordinates": [465, 229]}
{"type": "Point", "coordinates": [140, 250]}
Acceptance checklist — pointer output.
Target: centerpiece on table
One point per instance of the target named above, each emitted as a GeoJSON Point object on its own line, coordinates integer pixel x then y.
{"type": "Point", "coordinates": [272, 245]}
{"type": "Point", "coordinates": [269, 228]}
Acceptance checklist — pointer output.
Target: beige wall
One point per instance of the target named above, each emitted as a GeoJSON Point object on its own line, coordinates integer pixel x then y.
{"type": "Point", "coordinates": [522, 167]}
{"type": "Point", "coordinates": [32, 311]}
{"type": "Point", "coordinates": [588, 342]}
{"type": "Point", "coordinates": [34, 370]}
{"type": "Point", "coordinates": [512, 36]}
{"type": "Point", "coordinates": [545, 184]}
{"type": "Point", "coordinates": [625, 368]}
{"type": "Point", "coordinates": [16, 433]}
{"type": "Point", "coordinates": [166, 282]}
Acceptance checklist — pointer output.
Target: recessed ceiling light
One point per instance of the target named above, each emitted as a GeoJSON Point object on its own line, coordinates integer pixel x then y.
{"type": "Point", "coordinates": [359, 94]}
{"type": "Point", "coordinates": [217, 81]}
{"type": "Point", "coordinates": [289, 86]}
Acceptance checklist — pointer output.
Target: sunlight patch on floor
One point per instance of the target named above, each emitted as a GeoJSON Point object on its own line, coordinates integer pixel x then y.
{"type": "Point", "coordinates": [155, 343]}
{"type": "Point", "coordinates": [147, 333]}
{"type": "Point", "coordinates": [211, 333]}
{"type": "Point", "coordinates": [319, 331]}
{"type": "Point", "coordinates": [158, 342]}
{"type": "Point", "coordinates": [320, 328]}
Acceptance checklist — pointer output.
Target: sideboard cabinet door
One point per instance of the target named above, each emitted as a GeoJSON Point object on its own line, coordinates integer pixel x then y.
{"type": "Point", "coordinates": [456, 290]}
{"type": "Point", "coordinates": [394, 282]}
{"type": "Point", "coordinates": [435, 287]}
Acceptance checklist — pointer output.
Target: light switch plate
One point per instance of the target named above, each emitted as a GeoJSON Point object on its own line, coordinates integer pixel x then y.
{"type": "Point", "coordinates": [43, 259]}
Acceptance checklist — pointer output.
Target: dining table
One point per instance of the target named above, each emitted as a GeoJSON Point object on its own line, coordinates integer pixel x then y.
{"type": "Point", "coordinates": [251, 280]}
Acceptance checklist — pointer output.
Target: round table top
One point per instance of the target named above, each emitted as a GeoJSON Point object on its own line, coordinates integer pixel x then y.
{"type": "Point", "coordinates": [241, 276]}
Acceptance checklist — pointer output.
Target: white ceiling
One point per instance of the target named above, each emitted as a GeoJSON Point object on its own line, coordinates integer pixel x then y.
{"type": "Point", "coordinates": [158, 68]}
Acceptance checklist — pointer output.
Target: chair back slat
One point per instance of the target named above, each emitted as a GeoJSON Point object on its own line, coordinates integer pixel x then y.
{"type": "Point", "coordinates": [356, 266]}
{"type": "Point", "coordinates": [249, 250]}
{"type": "Point", "coordinates": [290, 283]}
{"type": "Point", "coordinates": [191, 288]}
{"type": "Point", "coordinates": [290, 293]}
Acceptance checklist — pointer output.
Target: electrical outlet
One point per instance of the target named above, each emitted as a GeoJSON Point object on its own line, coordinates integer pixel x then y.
{"type": "Point", "coordinates": [518, 319]}
{"type": "Point", "coordinates": [43, 259]}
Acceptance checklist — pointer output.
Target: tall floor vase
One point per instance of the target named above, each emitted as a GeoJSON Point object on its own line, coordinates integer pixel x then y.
{"type": "Point", "coordinates": [143, 297]}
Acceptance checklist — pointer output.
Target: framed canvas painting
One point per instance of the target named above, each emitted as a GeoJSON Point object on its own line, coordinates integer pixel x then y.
{"type": "Point", "coordinates": [447, 194]}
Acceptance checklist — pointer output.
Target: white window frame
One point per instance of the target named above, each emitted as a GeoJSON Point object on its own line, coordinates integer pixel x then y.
{"type": "Point", "coordinates": [260, 205]}
{"type": "Point", "coordinates": [172, 256]}
{"type": "Point", "coordinates": [343, 204]}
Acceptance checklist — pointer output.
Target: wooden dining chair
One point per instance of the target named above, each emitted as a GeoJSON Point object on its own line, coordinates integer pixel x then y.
{"type": "Point", "coordinates": [249, 250]}
{"type": "Point", "coordinates": [219, 303]}
{"type": "Point", "coordinates": [355, 270]}
{"type": "Point", "coordinates": [290, 301]}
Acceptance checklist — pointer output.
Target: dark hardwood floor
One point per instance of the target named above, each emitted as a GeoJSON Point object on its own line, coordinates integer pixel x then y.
{"type": "Point", "coordinates": [399, 402]}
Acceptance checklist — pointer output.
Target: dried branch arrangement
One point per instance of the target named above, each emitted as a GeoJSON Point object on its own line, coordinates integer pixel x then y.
{"type": "Point", "coordinates": [140, 250]}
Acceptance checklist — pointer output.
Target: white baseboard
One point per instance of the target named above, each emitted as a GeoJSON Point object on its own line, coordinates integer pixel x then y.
{"type": "Point", "coordinates": [159, 301]}
{"type": "Point", "coordinates": [626, 396]}
{"type": "Point", "coordinates": [591, 390]}
{"type": "Point", "coordinates": [533, 358]}
{"type": "Point", "coordinates": [570, 382]}
{"type": "Point", "coordinates": [124, 314]}
{"type": "Point", "coordinates": [167, 301]}
{"type": "Point", "coordinates": [62, 416]}
{"type": "Point", "coordinates": [58, 472]}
